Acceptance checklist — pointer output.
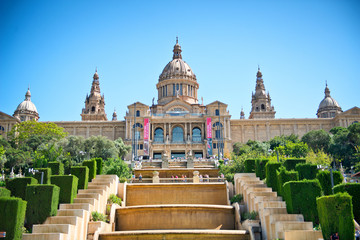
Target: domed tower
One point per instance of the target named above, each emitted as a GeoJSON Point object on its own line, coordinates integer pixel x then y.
{"type": "Point", "coordinates": [26, 110]}
{"type": "Point", "coordinates": [114, 116]}
{"type": "Point", "coordinates": [177, 80]}
{"type": "Point", "coordinates": [261, 102]}
{"type": "Point", "coordinates": [95, 103]}
{"type": "Point", "coordinates": [328, 107]}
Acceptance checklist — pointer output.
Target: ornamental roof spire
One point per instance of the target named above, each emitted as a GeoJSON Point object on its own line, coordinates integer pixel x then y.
{"type": "Point", "coordinates": [177, 50]}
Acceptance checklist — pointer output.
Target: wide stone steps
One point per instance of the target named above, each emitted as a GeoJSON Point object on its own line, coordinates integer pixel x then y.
{"type": "Point", "coordinates": [275, 222]}
{"type": "Point", "coordinates": [71, 222]}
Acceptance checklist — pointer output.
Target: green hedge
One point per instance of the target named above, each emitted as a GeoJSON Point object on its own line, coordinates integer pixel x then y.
{"type": "Point", "coordinates": [82, 173]}
{"type": "Point", "coordinates": [249, 165]}
{"type": "Point", "coordinates": [47, 174]}
{"type": "Point", "coordinates": [353, 189]}
{"type": "Point", "coordinates": [306, 170]}
{"type": "Point", "coordinates": [12, 216]}
{"type": "Point", "coordinates": [300, 197]}
{"type": "Point", "coordinates": [271, 178]}
{"type": "Point", "coordinates": [290, 164]}
{"type": "Point", "coordinates": [91, 164]}
{"type": "Point", "coordinates": [336, 216]}
{"type": "Point", "coordinates": [43, 200]}
{"type": "Point", "coordinates": [17, 186]}
{"type": "Point", "coordinates": [99, 166]}
{"type": "Point", "coordinates": [68, 187]}
{"type": "Point", "coordinates": [260, 169]}
{"type": "Point", "coordinates": [325, 180]}
{"type": "Point", "coordinates": [57, 168]}
{"type": "Point", "coordinates": [5, 192]}
{"type": "Point", "coordinates": [284, 176]}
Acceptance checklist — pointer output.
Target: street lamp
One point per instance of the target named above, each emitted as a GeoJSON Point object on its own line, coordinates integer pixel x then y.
{"type": "Point", "coordinates": [33, 171]}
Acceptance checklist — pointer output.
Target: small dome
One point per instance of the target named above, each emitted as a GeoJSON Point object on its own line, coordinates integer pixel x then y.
{"type": "Point", "coordinates": [328, 107]}
{"type": "Point", "coordinates": [177, 68]}
{"type": "Point", "coordinates": [328, 102]}
{"type": "Point", "coordinates": [27, 105]}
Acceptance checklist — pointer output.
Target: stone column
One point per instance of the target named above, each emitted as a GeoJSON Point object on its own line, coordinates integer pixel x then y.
{"type": "Point", "coordinates": [267, 131]}
{"type": "Point", "coordinates": [255, 132]}
{"type": "Point", "coordinates": [242, 134]}
{"type": "Point", "coordinates": [74, 131]}
{"type": "Point", "coordinates": [190, 131]}
{"type": "Point", "coordinates": [186, 133]}
{"type": "Point", "coordinates": [229, 130]}
{"type": "Point", "coordinates": [170, 138]}
{"type": "Point", "coordinates": [87, 132]}
{"type": "Point", "coordinates": [196, 177]}
{"type": "Point", "coordinates": [156, 178]}
{"type": "Point", "coordinates": [114, 132]}
{"type": "Point", "coordinates": [165, 161]}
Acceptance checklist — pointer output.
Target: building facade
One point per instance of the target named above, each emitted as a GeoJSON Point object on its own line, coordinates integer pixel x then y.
{"type": "Point", "coordinates": [178, 124]}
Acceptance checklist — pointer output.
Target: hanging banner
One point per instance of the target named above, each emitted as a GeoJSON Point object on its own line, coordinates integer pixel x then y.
{"type": "Point", "coordinates": [209, 137]}
{"type": "Point", "coordinates": [146, 136]}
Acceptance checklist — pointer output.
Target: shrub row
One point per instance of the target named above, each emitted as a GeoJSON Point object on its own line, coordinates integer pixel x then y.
{"type": "Point", "coordinates": [43, 200]}
{"type": "Point", "coordinates": [300, 197]}
{"type": "Point", "coordinates": [12, 212]}
{"type": "Point", "coordinates": [290, 164]}
{"type": "Point", "coordinates": [46, 177]}
{"type": "Point", "coordinates": [82, 173]}
{"type": "Point", "coordinates": [5, 192]}
{"type": "Point", "coordinates": [68, 187]}
{"type": "Point", "coordinates": [91, 164]}
{"type": "Point", "coordinates": [336, 215]}
{"type": "Point", "coordinates": [260, 168]}
{"type": "Point", "coordinates": [306, 171]}
{"type": "Point", "coordinates": [271, 178]}
{"type": "Point", "coordinates": [57, 168]}
{"type": "Point", "coordinates": [99, 166]}
{"type": "Point", "coordinates": [325, 180]}
{"type": "Point", "coordinates": [353, 189]}
{"type": "Point", "coordinates": [284, 176]}
{"type": "Point", "coordinates": [17, 186]}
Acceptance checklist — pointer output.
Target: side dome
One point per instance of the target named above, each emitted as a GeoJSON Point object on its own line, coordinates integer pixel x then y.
{"type": "Point", "coordinates": [177, 68]}
{"type": "Point", "coordinates": [26, 110]}
{"type": "Point", "coordinates": [328, 107]}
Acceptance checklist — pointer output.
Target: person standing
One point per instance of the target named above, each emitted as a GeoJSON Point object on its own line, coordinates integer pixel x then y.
{"type": "Point", "coordinates": [140, 178]}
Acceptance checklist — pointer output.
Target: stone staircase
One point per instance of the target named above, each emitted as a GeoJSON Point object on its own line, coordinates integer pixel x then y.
{"type": "Point", "coordinates": [72, 220]}
{"type": "Point", "coordinates": [276, 223]}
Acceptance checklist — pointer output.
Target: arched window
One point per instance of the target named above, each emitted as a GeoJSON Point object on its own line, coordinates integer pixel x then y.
{"type": "Point", "coordinates": [93, 109]}
{"type": "Point", "coordinates": [196, 135]}
{"type": "Point", "coordinates": [262, 107]}
{"type": "Point", "coordinates": [2, 130]}
{"type": "Point", "coordinates": [159, 135]}
{"type": "Point", "coordinates": [177, 134]}
{"type": "Point", "coordinates": [138, 113]}
{"type": "Point", "coordinates": [217, 113]}
{"type": "Point", "coordinates": [138, 125]}
{"type": "Point", "coordinates": [217, 124]}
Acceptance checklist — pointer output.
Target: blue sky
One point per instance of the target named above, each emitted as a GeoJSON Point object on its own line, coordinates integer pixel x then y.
{"type": "Point", "coordinates": [55, 47]}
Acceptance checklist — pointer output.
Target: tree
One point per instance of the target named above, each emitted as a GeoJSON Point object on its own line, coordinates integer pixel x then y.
{"type": "Point", "coordinates": [31, 134]}
{"type": "Point", "coordinates": [239, 148]}
{"type": "Point", "coordinates": [318, 158]}
{"type": "Point", "coordinates": [317, 140]}
{"type": "Point", "coordinates": [354, 135]}
{"type": "Point", "coordinates": [291, 149]}
{"type": "Point", "coordinates": [118, 167]}
{"type": "Point", "coordinates": [74, 146]}
{"type": "Point", "coordinates": [283, 140]}
{"type": "Point", "coordinates": [100, 147]}
{"type": "Point", "coordinates": [3, 158]}
{"type": "Point", "coordinates": [122, 148]}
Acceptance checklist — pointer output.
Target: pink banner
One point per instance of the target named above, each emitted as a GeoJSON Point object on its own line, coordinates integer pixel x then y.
{"type": "Point", "coordinates": [146, 128]}
{"type": "Point", "coordinates": [208, 126]}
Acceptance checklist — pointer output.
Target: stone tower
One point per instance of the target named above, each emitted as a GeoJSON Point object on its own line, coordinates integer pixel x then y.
{"type": "Point", "coordinates": [26, 110]}
{"type": "Point", "coordinates": [328, 107]}
{"type": "Point", "coordinates": [94, 104]}
{"type": "Point", "coordinates": [261, 102]}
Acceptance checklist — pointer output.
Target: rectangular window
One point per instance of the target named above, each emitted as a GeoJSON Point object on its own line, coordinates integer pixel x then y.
{"type": "Point", "coordinates": [181, 93]}
{"type": "Point", "coordinates": [166, 90]}
{"type": "Point", "coordinates": [214, 145]}
{"type": "Point", "coordinates": [173, 89]}
{"type": "Point", "coordinates": [137, 135]}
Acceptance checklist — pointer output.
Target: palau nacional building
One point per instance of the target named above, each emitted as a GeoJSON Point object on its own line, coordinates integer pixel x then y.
{"type": "Point", "coordinates": [178, 124]}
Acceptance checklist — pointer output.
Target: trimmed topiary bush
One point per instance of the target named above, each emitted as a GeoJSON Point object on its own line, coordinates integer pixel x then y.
{"type": "Point", "coordinates": [12, 212]}
{"type": "Point", "coordinates": [300, 197]}
{"type": "Point", "coordinates": [260, 169]}
{"type": "Point", "coordinates": [68, 187]}
{"type": "Point", "coordinates": [283, 177]}
{"type": "Point", "coordinates": [5, 192]}
{"type": "Point", "coordinates": [271, 178]}
{"type": "Point", "coordinates": [17, 186]}
{"type": "Point", "coordinates": [82, 173]}
{"type": "Point", "coordinates": [99, 166]}
{"type": "Point", "coordinates": [47, 174]}
{"type": "Point", "coordinates": [336, 215]}
{"type": "Point", "coordinates": [353, 189]}
{"type": "Point", "coordinates": [306, 170]}
{"type": "Point", "coordinates": [57, 168]}
{"type": "Point", "coordinates": [325, 180]}
{"type": "Point", "coordinates": [249, 165]}
{"type": "Point", "coordinates": [290, 164]}
{"type": "Point", "coordinates": [43, 200]}
{"type": "Point", "coordinates": [91, 164]}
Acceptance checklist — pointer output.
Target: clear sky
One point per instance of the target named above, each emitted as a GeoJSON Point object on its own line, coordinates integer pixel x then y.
{"type": "Point", "coordinates": [55, 46]}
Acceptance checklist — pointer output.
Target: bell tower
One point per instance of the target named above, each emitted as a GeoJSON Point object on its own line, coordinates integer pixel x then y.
{"type": "Point", "coordinates": [95, 103]}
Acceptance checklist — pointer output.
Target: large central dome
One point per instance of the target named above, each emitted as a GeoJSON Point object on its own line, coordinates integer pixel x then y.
{"type": "Point", "coordinates": [177, 68]}
{"type": "Point", "coordinates": [177, 80]}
